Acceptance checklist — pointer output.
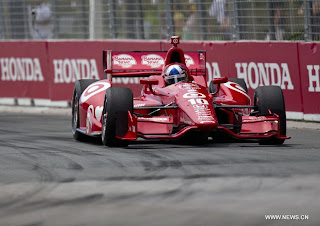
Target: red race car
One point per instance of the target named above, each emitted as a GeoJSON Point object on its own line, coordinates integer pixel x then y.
{"type": "Point", "coordinates": [175, 102]}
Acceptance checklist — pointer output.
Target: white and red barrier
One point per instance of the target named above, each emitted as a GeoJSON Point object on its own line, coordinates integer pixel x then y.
{"type": "Point", "coordinates": [46, 70]}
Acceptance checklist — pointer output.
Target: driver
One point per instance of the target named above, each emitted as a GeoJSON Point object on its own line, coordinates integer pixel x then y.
{"type": "Point", "coordinates": [175, 73]}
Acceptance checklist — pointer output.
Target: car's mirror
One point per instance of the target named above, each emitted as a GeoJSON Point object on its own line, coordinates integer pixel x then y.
{"type": "Point", "coordinates": [219, 80]}
{"type": "Point", "coordinates": [149, 81]}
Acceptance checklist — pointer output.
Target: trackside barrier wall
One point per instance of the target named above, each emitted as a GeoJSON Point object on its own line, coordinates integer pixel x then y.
{"type": "Point", "coordinates": [24, 69]}
{"type": "Point", "coordinates": [45, 71]}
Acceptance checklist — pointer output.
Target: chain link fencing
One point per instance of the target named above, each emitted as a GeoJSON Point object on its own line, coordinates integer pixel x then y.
{"type": "Point", "coordinates": [211, 20]}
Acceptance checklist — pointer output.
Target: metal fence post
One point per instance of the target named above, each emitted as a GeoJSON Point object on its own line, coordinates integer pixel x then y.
{"type": "Point", "coordinates": [112, 18]}
{"type": "Point", "coordinates": [307, 20]}
{"type": "Point", "coordinates": [84, 24]}
{"type": "Point", "coordinates": [54, 18]}
{"type": "Point", "coordinates": [169, 18]}
{"type": "Point", "coordinates": [130, 22]}
{"type": "Point", "coordinates": [271, 29]}
{"type": "Point", "coordinates": [202, 15]}
{"type": "Point", "coordinates": [91, 19]}
{"type": "Point", "coordinates": [17, 7]}
{"type": "Point", "coordinates": [1, 22]}
{"type": "Point", "coordinates": [25, 20]}
{"type": "Point", "coordinates": [235, 21]}
{"type": "Point", "coordinates": [140, 20]}
{"type": "Point", "coordinates": [240, 20]}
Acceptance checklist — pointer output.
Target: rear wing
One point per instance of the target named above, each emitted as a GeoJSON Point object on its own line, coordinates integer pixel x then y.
{"type": "Point", "coordinates": [143, 64]}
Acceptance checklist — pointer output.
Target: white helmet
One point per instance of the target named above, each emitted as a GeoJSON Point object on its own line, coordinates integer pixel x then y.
{"type": "Point", "coordinates": [176, 73]}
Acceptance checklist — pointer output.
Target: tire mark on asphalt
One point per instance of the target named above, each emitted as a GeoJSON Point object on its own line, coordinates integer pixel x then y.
{"type": "Point", "coordinates": [45, 175]}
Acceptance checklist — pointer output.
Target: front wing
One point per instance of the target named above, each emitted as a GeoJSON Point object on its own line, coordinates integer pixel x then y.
{"type": "Point", "coordinates": [253, 127]}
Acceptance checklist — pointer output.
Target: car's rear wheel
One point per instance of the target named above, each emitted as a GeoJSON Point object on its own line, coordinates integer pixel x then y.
{"type": "Point", "coordinates": [212, 87]}
{"type": "Point", "coordinates": [79, 87]}
{"type": "Point", "coordinates": [271, 98]}
{"type": "Point", "coordinates": [118, 101]}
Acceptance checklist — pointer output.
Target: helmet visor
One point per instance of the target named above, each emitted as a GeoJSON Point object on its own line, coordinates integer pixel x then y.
{"type": "Point", "coordinates": [172, 79]}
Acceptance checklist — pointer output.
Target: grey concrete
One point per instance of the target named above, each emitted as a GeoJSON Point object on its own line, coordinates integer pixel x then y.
{"type": "Point", "coordinates": [47, 178]}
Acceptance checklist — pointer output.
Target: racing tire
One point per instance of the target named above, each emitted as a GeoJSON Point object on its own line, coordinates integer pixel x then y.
{"type": "Point", "coordinates": [118, 101]}
{"type": "Point", "coordinates": [212, 87]}
{"type": "Point", "coordinates": [240, 82]}
{"type": "Point", "coordinates": [271, 97]}
{"type": "Point", "coordinates": [79, 87]}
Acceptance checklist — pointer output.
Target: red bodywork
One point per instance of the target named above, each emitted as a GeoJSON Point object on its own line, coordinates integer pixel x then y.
{"type": "Point", "coordinates": [169, 112]}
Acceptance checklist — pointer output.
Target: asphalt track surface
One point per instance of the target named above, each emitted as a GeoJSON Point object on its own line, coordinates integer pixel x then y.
{"type": "Point", "coordinates": [48, 178]}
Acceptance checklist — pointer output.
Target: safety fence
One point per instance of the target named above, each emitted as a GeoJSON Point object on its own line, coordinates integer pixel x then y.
{"type": "Point", "coordinates": [42, 72]}
{"type": "Point", "coordinates": [160, 19]}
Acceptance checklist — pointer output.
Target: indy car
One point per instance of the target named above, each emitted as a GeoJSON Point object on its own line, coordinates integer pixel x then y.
{"type": "Point", "coordinates": [175, 102]}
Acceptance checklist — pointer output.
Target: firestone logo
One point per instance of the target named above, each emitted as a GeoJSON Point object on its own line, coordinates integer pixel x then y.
{"type": "Point", "coordinates": [189, 60]}
{"type": "Point", "coordinates": [152, 60]}
{"type": "Point", "coordinates": [124, 60]}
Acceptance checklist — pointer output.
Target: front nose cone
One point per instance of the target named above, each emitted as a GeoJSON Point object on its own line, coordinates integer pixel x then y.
{"type": "Point", "coordinates": [207, 124]}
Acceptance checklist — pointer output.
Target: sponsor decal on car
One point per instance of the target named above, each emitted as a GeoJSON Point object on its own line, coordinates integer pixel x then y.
{"type": "Point", "coordinates": [156, 119]}
{"type": "Point", "coordinates": [205, 121]}
{"type": "Point", "coordinates": [132, 129]}
{"type": "Point", "coordinates": [124, 60]}
{"type": "Point", "coordinates": [152, 60]}
{"type": "Point", "coordinates": [89, 122]}
{"type": "Point", "coordinates": [139, 105]}
{"type": "Point", "coordinates": [125, 80]}
{"type": "Point", "coordinates": [96, 113]}
{"type": "Point", "coordinates": [189, 60]}
{"type": "Point", "coordinates": [194, 94]}
{"type": "Point", "coordinates": [185, 119]}
{"type": "Point", "coordinates": [254, 119]}
{"type": "Point", "coordinates": [236, 87]}
{"type": "Point", "coordinates": [188, 86]}
{"type": "Point", "coordinates": [94, 89]}
{"type": "Point", "coordinates": [202, 110]}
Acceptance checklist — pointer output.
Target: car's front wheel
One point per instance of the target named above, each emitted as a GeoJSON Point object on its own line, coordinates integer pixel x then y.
{"type": "Point", "coordinates": [271, 98]}
{"type": "Point", "coordinates": [118, 101]}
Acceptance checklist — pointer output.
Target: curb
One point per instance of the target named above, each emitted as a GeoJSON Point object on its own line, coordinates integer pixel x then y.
{"type": "Point", "coordinates": [34, 102]}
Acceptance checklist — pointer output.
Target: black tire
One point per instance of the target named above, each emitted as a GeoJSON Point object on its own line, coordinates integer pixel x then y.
{"type": "Point", "coordinates": [118, 101]}
{"type": "Point", "coordinates": [79, 87]}
{"type": "Point", "coordinates": [271, 97]}
{"type": "Point", "coordinates": [241, 82]}
{"type": "Point", "coordinates": [212, 87]}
